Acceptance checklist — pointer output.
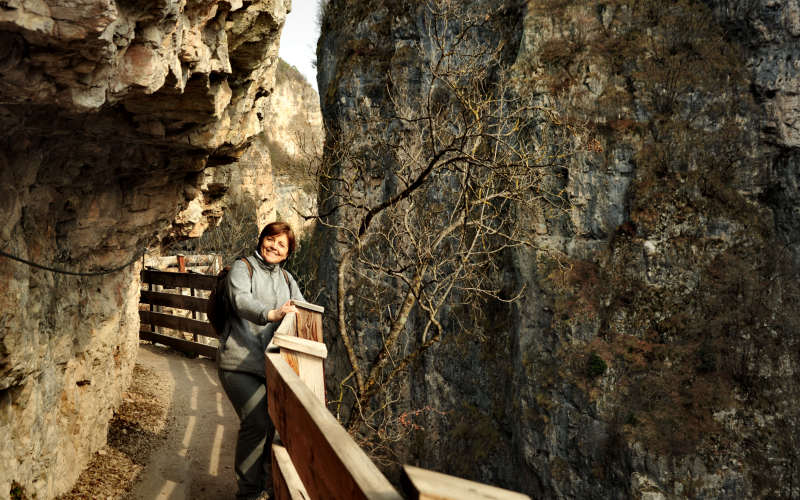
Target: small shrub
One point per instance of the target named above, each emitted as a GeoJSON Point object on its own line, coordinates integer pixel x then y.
{"type": "Point", "coordinates": [595, 366]}
{"type": "Point", "coordinates": [17, 491]}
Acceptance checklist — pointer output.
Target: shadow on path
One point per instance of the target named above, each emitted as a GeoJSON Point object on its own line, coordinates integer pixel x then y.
{"type": "Point", "coordinates": [196, 459]}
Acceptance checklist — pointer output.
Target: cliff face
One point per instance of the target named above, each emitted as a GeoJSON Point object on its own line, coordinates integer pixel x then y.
{"type": "Point", "coordinates": [654, 349]}
{"type": "Point", "coordinates": [112, 114]}
{"type": "Point", "coordinates": [294, 140]}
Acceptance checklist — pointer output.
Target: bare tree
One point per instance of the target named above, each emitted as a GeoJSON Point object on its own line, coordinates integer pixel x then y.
{"type": "Point", "coordinates": [424, 199]}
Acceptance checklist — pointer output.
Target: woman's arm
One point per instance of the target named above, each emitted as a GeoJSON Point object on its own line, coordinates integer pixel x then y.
{"type": "Point", "coordinates": [241, 298]}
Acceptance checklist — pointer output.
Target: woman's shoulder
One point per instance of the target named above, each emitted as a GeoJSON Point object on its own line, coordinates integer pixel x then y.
{"type": "Point", "coordinates": [242, 264]}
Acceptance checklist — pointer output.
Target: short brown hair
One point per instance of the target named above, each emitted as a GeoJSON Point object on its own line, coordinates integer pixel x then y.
{"type": "Point", "coordinates": [276, 228]}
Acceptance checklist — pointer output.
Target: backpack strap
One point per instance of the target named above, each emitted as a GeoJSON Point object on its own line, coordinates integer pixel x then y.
{"type": "Point", "coordinates": [249, 266]}
{"type": "Point", "coordinates": [286, 277]}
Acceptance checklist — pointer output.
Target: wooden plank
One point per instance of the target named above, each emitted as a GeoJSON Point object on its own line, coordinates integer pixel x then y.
{"type": "Point", "coordinates": [179, 280]}
{"type": "Point", "coordinates": [421, 484]}
{"type": "Point", "coordinates": [172, 261]}
{"type": "Point", "coordinates": [328, 461]}
{"type": "Point", "coordinates": [285, 481]}
{"type": "Point", "coordinates": [291, 359]}
{"type": "Point", "coordinates": [178, 323]}
{"type": "Point", "coordinates": [307, 365]}
{"type": "Point", "coordinates": [182, 345]}
{"type": "Point", "coordinates": [311, 371]}
{"type": "Point", "coordinates": [308, 305]}
{"type": "Point", "coordinates": [316, 349]}
{"type": "Point", "coordinates": [287, 326]}
{"type": "Point", "coordinates": [309, 325]}
{"type": "Point", "coordinates": [186, 302]}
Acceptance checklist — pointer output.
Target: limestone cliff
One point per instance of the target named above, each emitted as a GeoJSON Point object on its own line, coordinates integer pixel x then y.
{"type": "Point", "coordinates": [653, 352]}
{"type": "Point", "coordinates": [274, 178]}
{"type": "Point", "coordinates": [113, 117]}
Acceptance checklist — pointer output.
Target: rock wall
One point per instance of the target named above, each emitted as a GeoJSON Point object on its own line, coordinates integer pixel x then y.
{"type": "Point", "coordinates": [114, 116]}
{"type": "Point", "coordinates": [294, 139]}
{"type": "Point", "coordinates": [654, 350]}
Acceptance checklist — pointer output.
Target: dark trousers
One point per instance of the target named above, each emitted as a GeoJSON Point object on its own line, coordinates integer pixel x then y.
{"type": "Point", "coordinates": [248, 394]}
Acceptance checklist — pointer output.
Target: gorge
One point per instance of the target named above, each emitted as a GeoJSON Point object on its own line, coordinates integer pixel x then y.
{"type": "Point", "coordinates": [635, 331]}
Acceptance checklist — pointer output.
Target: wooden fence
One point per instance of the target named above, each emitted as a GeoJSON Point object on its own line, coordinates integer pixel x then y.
{"type": "Point", "coordinates": [171, 285]}
{"type": "Point", "coordinates": [164, 304]}
{"type": "Point", "coordinates": [313, 456]}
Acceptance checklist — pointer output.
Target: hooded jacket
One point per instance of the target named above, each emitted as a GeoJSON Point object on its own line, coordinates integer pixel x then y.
{"type": "Point", "coordinates": [247, 331]}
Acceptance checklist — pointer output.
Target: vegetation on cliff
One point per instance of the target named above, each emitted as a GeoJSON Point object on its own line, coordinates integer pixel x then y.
{"type": "Point", "coordinates": [658, 323]}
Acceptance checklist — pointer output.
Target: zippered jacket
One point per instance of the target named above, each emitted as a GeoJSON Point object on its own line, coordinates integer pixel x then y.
{"type": "Point", "coordinates": [247, 331]}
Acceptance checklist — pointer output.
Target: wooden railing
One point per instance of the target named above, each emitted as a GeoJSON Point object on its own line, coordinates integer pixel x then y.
{"type": "Point", "coordinates": [164, 304]}
{"type": "Point", "coordinates": [165, 289]}
{"type": "Point", "coordinates": [313, 457]}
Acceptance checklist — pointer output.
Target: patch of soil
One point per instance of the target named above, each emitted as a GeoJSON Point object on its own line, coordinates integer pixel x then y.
{"type": "Point", "coordinates": [138, 427]}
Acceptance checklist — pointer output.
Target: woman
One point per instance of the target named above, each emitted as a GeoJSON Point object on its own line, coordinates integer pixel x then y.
{"type": "Point", "coordinates": [259, 296]}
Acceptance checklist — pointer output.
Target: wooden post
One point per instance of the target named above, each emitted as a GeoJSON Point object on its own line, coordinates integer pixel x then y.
{"type": "Point", "coordinates": [309, 320]}
{"type": "Point", "coordinates": [194, 314]}
{"type": "Point", "coordinates": [306, 357]}
{"type": "Point", "coordinates": [152, 326]}
{"type": "Point", "coordinates": [331, 465]}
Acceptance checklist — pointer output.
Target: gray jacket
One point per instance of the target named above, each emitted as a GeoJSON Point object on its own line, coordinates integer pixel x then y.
{"type": "Point", "coordinates": [247, 331]}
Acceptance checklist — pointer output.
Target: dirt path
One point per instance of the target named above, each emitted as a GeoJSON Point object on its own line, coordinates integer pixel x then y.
{"type": "Point", "coordinates": [195, 461]}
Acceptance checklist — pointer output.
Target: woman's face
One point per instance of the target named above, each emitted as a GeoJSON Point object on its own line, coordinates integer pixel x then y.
{"type": "Point", "coordinates": [274, 249]}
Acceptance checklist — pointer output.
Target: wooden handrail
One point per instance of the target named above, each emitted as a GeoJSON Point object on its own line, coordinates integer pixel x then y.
{"type": "Point", "coordinates": [174, 300]}
{"type": "Point", "coordinates": [317, 458]}
{"type": "Point", "coordinates": [422, 484]}
{"type": "Point", "coordinates": [328, 461]}
{"type": "Point", "coordinates": [179, 280]}
{"type": "Point", "coordinates": [178, 323]}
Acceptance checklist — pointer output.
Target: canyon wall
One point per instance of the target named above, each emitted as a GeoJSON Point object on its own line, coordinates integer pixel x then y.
{"type": "Point", "coordinates": [115, 116]}
{"type": "Point", "coordinates": [653, 351]}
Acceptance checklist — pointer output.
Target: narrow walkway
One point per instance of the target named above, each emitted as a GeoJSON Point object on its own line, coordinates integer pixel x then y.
{"type": "Point", "coordinates": [196, 460]}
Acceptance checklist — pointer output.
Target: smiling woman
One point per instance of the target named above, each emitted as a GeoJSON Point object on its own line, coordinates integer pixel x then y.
{"type": "Point", "coordinates": [259, 295]}
{"type": "Point", "coordinates": [276, 242]}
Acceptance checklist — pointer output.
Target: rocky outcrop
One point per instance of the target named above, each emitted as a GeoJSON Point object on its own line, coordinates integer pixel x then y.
{"type": "Point", "coordinates": [654, 350]}
{"type": "Point", "coordinates": [114, 115]}
{"type": "Point", "coordinates": [292, 138]}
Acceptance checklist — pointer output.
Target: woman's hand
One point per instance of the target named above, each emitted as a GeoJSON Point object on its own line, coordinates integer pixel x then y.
{"type": "Point", "coordinates": [278, 314]}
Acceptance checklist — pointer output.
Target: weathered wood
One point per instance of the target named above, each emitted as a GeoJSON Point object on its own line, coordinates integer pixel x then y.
{"type": "Point", "coordinates": [291, 360]}
{"type": "Point", "coordinates": [174, 300]}
{"type": "Point", "coordinates": [178, 323]}
{"type": "Point", "coordinates": [182, 345]}
{"type": "Point", "coordinates": [181, 263]}
{"type": "Point", "coordinates": [308, 305]}
{"type": "Point", "coordinates": [310, 347]}
{"type": "Point", "coordinates": [285, 481]}
{"type": "Point", "coordinates": [330, 464]}
{"type": "Point", "coordinates": [306, 358]}
{"type": "Point", "coordinates": [421, 484]}
{"type": "Point", "coordinates": [179, 280]}
{"type": "Point", "coordinates": [172, 261]}
{"type": "Point", "coordinates": [287, 326]}
{"type": "Point", "coordinates": [309, 325]}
